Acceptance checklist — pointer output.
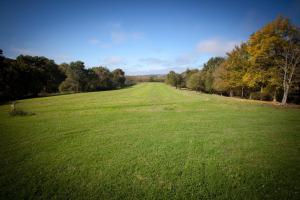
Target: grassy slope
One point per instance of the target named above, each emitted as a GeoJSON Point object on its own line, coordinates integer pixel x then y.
{"type": "Point", "coordinates": [149, 141]}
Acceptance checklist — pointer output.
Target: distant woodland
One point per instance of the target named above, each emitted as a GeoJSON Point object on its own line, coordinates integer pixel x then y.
{"type": "Point", "coordinates": [30, 76]}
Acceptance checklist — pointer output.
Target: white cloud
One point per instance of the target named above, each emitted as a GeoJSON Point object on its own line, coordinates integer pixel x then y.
{"type": "Point", "coordinates": [105, 45]}
{"type": "Point", "coordinates": [154, 69]}
{"type": "Point", "coordinates": [186, 59]}
{"type": "Point", "coordinates": [189, 59]}
{"type": "Point", "coordinates": [114, 25]}
{"type": "Point", "coordinates": [153, 61]}
{"type": "Point", "coordinates": [97, 42]}
{"type": "Point", "coordinates": [61, 58]}
{"type": "Point", "coordinates": [93, 41]}
{"type": "Point", "coordinates": [114, 60]}
{"type": "Point", "coordinates": [153, 65]}
{"type": "Point", "coordinates": [181, 61]}
{"type": "Point", "coordinates": [192, 58]}
{"type": "Point", "coordinates": [216, 46]}
{"type": "Point", "coordinates": [118, 37]}
{"type": "Point", "coordinates": [137, 35]}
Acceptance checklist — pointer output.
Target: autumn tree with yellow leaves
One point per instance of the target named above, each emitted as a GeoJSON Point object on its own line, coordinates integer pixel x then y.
{"type": "Point", "coordinates": [275, 56]}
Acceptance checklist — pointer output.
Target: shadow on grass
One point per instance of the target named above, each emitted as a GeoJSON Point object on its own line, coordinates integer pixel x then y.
{"type": "Point", "coordinates": [6, 102]}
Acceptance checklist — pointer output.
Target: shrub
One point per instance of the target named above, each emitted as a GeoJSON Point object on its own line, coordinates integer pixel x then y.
{"type": "Point", "coordinates": [265, 96]}
{"type": "Point", "coordinates": [18, 112]}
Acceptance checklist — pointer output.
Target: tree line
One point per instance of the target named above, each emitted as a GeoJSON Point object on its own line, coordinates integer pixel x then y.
{"type": "Point", "coordinates": [266, 67]}
{"type": "Point", "coordinates": [29, 76]}
{"type": "Point", "coordinates": [146, 78]}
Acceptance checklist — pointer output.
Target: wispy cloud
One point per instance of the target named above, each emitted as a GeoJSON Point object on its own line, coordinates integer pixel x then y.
{"type": "Point", "coordinates": [114, 25]}
{"type": "Point", "coordinates": [141, 69]}
{"type": "Point", "coordinates": [99, 43]}
{"type": "Point", "coordinates": [181, 61]}
{"type": "Point", "coordinates": [137, 35]}
{"type": "Point", "coordinates": [162, 65]}
{"type": "Point", "coordinates": [153, 65]}
{"type": "Point", "coordinates": [114, 60]}
{"type": "Point", "coordinates": [59, 57]}
{"type": "Point", "coordinates": [23, 51]}
{"type": "Point", "coordinates": [153, 61]}
{"type": "Point", "coordinates": [216, 46]}
{"type": "Point", "coordinates": [93, 41]}
{"type": "Point", "coordinates": [186, 59]}
{"type": "Point", "coordinates": [118, 37]}
{"type": "Point", "coordinates": [192, 58]}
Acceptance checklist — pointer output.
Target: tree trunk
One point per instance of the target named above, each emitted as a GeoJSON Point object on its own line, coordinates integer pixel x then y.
{"type": "Point", "coordinates": [231, 93]}
{"type": "Point", "coordinates": [242, 95]}
{"type": "Point", "coordinates": [285, 95]}
{"type": "Point", "coordinates": [274, 96]}
{"type": "Point", "coordinates": [261, 92]}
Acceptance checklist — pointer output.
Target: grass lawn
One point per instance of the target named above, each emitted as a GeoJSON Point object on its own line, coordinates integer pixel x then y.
{"type": "Point", "coordinates": [149, 141]}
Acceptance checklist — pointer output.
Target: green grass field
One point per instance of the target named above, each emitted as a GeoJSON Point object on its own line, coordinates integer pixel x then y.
{"type": "Point", "coordinates": [149, 141]}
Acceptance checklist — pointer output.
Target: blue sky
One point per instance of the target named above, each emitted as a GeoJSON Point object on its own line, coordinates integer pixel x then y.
{"type": "Point", "coordinates": [141, 37]}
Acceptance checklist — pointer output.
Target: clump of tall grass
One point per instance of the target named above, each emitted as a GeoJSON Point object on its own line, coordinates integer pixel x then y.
{"type": "Point", "coordinates": [18, 112]}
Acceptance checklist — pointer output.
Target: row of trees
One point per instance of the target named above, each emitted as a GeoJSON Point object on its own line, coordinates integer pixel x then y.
{"type": "Point", "coordinates": [146, 78]}
{"type": "Point", "coordinates": [28, 76]}
{"type": "Point", "coordinates": [79, 79]}
{"type": "Point", "coordinates": [265, 67]}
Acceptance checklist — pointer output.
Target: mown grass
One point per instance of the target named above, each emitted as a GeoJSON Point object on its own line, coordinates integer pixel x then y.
{"type": "Point", "coordinates": [150, 141]}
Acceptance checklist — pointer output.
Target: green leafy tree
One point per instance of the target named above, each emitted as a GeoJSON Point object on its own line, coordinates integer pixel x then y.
{"type": "Point", "coordinates": [175, 79]}
{"type": "Point", "coordinates": [187, 74]}
{"type": "Point", "coordinates": [196, 82]}
{"type": "Point", "coordinates": [76, 80]}
{"type": "Point", "coordinates": [221, 77]}
{"type": "Point", "coordinates": [171, 78]}
{"type": "Point", "coordinates": [37, 74]}
{"type": "Point", "coordinates": [104, 78]}
{"type": "Point", "coordinates": [8, 79]}
{"type": "Point", "coordinates": [28, 76]}
{"type": "Point", "coordinates": [236, 65]}
{"type": "Point", "coordinates": [179, 81]}
{"type": "Point", "coordinates": [118, 78]}
{"type": "Point", "coordinates": [207, 72]}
